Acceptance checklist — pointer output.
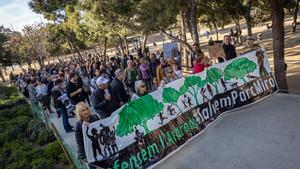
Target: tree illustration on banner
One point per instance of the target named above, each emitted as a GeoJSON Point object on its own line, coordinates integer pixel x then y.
{"type": "Point", "coordinates": [171, 96]}
{"type": "Point", "coordinates": [137, 112]}
{"type": "Point", "coordinates": [192, 84]}
{"type": "Point", "coordinates": [213, 75]}
{"type": "Point", "coordinates": [238, 69]}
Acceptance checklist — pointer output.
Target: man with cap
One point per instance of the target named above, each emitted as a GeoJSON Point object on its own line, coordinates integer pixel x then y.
{"type": "Point", "coordinates": [104, 99]}
{"type": "Point", "coordinates": [250, 45]}
{"type": "Point", "coordinates": [119, 87]}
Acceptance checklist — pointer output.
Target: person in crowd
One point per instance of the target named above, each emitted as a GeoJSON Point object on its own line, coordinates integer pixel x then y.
{"type": "Point", "coordinates": [250, 45]}
{"type": "Point", "coordinates": [60, 104]}
{"type": "Point", "coordinates": [93, 68]}
{"type": "Point", "coordinates": [86, 85]}
{"type": "Point", "coordinates": [74, 89]}
{"type": "Point", "coordinates": [93, 84]}
{"type": "Point", "coordinates": [161, 70]}
{"type": "Point", "coordinates": [110, 70]}
{"type": "Point", "coordinates": [177, 70]}
{"type": "Point", "coordinates": [153, 64]}
{"type": "Point", "coordinates": [145, 72]}
{"type": "Point", "coordinates": [140, 88]}
{"type": "Point", "coordinates": [104, 99]}
{"type": "Point", "coordinates": [32, 92]}
{"type": "Point", "coordinates": [118, 86]}
{"type": "Point", "coordinates": [131, 75]}
{"type": "Point", "coordinates": [229, 49]}
{"type": "Point", "coordinates": [200, 64]}
{"type": "Point", "coordinates": [162, 84]}
{"type": "Point", "coordinates": [196, 49]}
{"type": "Point", "coordinates": [42, 95]}
{"type": "Point", "coordinates": [84, 116]}
{"type": "Point", "coordinates": [170, 76]}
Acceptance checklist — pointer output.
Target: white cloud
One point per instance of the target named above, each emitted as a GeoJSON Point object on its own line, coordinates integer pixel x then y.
{"type": "Point", "coordinates": [18, 14]}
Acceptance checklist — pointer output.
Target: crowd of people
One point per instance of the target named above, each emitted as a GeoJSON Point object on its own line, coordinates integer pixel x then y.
{"type": "Point", "coordinates": [103, 86]}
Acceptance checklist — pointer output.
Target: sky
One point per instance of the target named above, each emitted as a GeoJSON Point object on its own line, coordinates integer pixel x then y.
{"type": "Point", "coordinates": [18, 14]}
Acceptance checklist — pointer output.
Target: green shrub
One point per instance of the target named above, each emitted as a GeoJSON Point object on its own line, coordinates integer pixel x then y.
{"type": "Point", "coordinates": [53, 150]}
{"type": "Point", "coordinates": [25, 143]}
{"type": "Point", "coordinates": [42, 163]}
{"type": "Point", "coordinates": [34, 127]}
{"type": "Point", "coordinates": [45, 137]}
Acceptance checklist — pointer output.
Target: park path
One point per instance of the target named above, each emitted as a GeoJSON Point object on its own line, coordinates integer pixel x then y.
{"type": "Point", "coordinates": [264, 135]}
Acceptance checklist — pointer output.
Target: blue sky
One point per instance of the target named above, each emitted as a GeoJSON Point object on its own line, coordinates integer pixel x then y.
{"type": "Point", "coordinates": [17, 14]}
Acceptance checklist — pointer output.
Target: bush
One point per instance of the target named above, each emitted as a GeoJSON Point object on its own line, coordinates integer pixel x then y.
{"type": "Point", "coordinates": [45, 137]}
{"type": "Point", "coordinates": [33, 129]}
{"type": "Point", "coordinates": [21, 135]}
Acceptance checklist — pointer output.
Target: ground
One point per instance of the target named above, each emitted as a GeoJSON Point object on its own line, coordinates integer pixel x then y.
{"type": "Point", "coordinates": [264, 135]}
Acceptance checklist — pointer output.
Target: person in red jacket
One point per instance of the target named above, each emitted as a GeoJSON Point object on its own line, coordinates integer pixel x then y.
{"type": "Point", "coordinates": [200, 64]}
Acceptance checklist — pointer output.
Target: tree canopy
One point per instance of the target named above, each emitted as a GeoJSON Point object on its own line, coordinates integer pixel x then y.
{"type": "Point", "coordinates": [137, 112]}
{"type": "Point", "coordinates": [239, 68]}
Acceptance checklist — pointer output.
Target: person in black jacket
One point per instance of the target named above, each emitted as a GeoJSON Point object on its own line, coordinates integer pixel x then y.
{"type": "Point", "coordinates": [118, 86]}
{"type": "Point", "coordinates": [104, 99]}
{"type": "Point", "coordinates": [229, 49]}
{"type": "Point", "coordinates": [58, 94]}
{"type": "Point", "coordinates": [75, 90]}
{"type": "Point", "coordinates": [84, 116]}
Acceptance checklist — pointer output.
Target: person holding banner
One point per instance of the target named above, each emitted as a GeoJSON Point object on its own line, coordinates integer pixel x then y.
{"type": "Point", "coordinates": [84, 116]}
{"type": "Point", "coordinates": [250, 45]}
{"type": "Point", "coordinates": [229, 49]}
{"type": "Point", "coordinates": [200, 64]}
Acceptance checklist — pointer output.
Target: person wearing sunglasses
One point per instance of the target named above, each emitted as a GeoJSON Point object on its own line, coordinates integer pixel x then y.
{"type": "Point", "coordinates": [170, 75]}
{"type": "Point", "coordinates": [140, 88]}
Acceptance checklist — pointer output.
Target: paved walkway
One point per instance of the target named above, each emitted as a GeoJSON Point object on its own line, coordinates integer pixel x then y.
{"type": "Point", "coordinates": [265, 135]}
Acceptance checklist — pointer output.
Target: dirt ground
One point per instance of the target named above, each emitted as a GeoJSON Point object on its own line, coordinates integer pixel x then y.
{"type": "Point", "coordinates": [292, 48]}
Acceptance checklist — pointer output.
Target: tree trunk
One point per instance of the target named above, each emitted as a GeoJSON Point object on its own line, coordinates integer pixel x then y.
{"type": "Point", "coordinates": [278, 44]}
{"type": "Point", "coordinates": [1, 74]}
{"type": "Point", "coordinates": [247, 16]}
{"type": "Point", "coordinates": [183, 37]}
{"type": "Point", "coordinates": [145, 43]}
{"type": "Point", "coordinates": [121, 45]}
{"type": "Point", "coordinates": [216, 29]}
{"type": "Point", "coordinates": [295, 16]}
{"type": "Point", "coordinates": [249, 25]}
{"type": "Point", "coordinates": [237, 23]}
{"type": "Point", "coordinates": [187, 16]}
{"type": "Point", "coordinates": [5, 70]}
{"type": "Point", "coordinates": [28, 62]}
{"type": "Point", "coordinates": [193, 21]}
{"type": "Point", "coordinates": [40, 61]}
{"type": "Point", "coordinates": [105, 48]}
{"type": "Point", "coordinates": [34, 64]}
{"type": "Point", "coordinates": [126, 45]}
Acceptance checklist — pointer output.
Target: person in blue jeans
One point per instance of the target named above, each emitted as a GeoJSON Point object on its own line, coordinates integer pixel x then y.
{"type": "Point", "coordinates": [59, 104]}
